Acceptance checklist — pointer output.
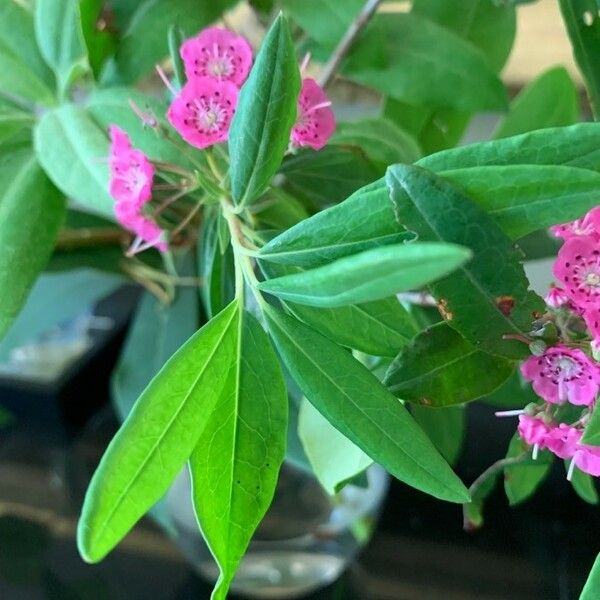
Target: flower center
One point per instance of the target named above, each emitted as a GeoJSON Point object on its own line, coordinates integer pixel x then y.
{"type": "Point", "coordinates": [592, 278]}
{"type": "Point", "coordinates": [220, 66]}
{"type": "Point", "coordinates": [209, 115]}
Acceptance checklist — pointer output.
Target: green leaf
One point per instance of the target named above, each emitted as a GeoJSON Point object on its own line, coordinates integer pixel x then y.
{"type": "Point", "coordinates": [265, 114]}
{"type": "Point", "coordinates": [17, 36]}
{"type": "Point", "coordinates": [31, 213]}
{"type": "Point", "coordinates": [370, 275]}
{"type": "Point", "coordinates": [324, 178]}
{"type": "Point", "coordinates": [550, 100]}
{"type": "Point", "coordinates": [325, 20]}
{"type": "Point", "coordinates": [13, 119]}
{"type": "Point", "coordinates": [523, 479]}
{"type": "Point", "coordinates": [488, 297]}
{"type": "Point", "coordinates": [157, 438]}
{"type": "Point", "coordinates": [415, 60]}
{"type": "Point", "coordinates": [60, 38]}
{"type": "Point", "coordinates": [156, 333]}
{"type": "Point", "coordinates": [525, 198]}
{"type": "Point", "coordinates": [17, 79]}
{"type": "Point", "coordinates": [335, 460]}
{"type": "Point", "coordinates": [176, 40]}
{"type": "Point", "coordinates": [445, 427]}
{"type": "Point", "coordinates": [53, 300]}
{"type": "Point", "coordinates": [582, 20]}
{"type": "Point", "coordinates": [583, 484]}
{"type": "Point", "coordinates": [381, 140]}
{"type": "Point", "coordinates": [72, 150]}
{"type": "Point", "coordinates": [591, 435]}
{"type": "Point", "coordinates": [574, 146]}
{"type": "Point", "coordinates": [365, 220]}
{"type": "Point", "coordinates": [100, 41]}
{"type": "Point", "coordinates": [441, 368]}
{"type": "Point", "coordinates": [216, 270]}
{"type": "Point", "coordinates": [513, 393]}
{"type": "Point", "coordinates": [235, 464]}
{"type": "Point", "coordinates": [488, 25]}
{"type": "Point", "coordinates": [144, 42]}
{"type": "Point", "coordinates": [356, 404]}
{"type": "Point", "coordinates": [111, 106]}
{"type": "Point", "coordinates": [591, 590]}
{"type": "Point", "coordinates": [380, 328]}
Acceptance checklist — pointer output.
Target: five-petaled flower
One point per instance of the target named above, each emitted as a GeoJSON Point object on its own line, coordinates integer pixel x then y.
{"type": "Point", "coordinates": [203, 110]}
{"type": "Point", "coordinates": [563, 374]}
{"type": "Point", "coordinates": [219, 54]}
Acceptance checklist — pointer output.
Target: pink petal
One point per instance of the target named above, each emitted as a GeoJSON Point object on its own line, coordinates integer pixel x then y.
{"type": "Point", "coordinates": [219, 54]}
{"type": "Point", "coordinates": [316, 122]}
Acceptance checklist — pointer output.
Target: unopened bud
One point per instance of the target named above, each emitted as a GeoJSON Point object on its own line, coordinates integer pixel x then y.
{"type": "Point", "coordinates": [537, 347]}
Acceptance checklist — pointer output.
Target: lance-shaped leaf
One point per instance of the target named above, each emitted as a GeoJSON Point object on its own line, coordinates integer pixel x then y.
{"type": "Point", "coordinates": [488, 297]}
{"type": "Point", "coordinates": [441, 368]}
{"type": "Point", "coordinates": [379, 328]}
{"type": "Point", "coordinates": [72, 149]}
{"type": "Point", "coordinates": [574, 146]}
{"type": "Point", "coordinates": [158, 436]}
{"type": "Point", "coordinates": [525, 198]}
{"type": "Point", "coordinates": [523, 479]}
{"type": "Point", "coordinates": [365, 220]}
{"type": "Point", "coordinates": [265, 114]}
{"type": "Point", "coordinates": [31, 213]}
{"type": "Point", "coordinates": [236, 461]}
{"type": "Point", "coordinates": [591, 590]}
{"type": "Point", "coordinates": [353, 400]}
{"type": "Point", "coordinates": [370, 275]}
{"type": "Point", "coordinates": [334, 459]}
{"type": "Point", "coordinates": [59, 35]}
{"type": "Point", "coordinates": [550, 100]}
{"type": "Point", "coordinates": [582, 19]}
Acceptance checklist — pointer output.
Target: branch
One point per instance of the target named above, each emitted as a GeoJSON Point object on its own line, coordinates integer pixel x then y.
{"type": "Point", "coordinates": [359, 23]}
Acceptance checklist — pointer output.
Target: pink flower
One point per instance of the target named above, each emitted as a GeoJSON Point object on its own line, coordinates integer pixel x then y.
{"type": "Point", "coordinates": [587, 225]}
{"type": "Point", "coordinates": [131, 173]}
{"type": "Point", "coordinates": [556, 297]}
{"type": "Point", "coordinates": [562, 440]}
{"type": "Point", "coordinates": [578, 268]}
{"type": "Point", "coordinates": [316, 121]}
{"type": "Point", "coordinates": [532, 430]}
{"type": "Point", "coordinates": [131, 178]}
{"type": "Point", "coordinates": [203, 110]}
{"type": "Point", "coordinates": [562, 374]}
{"type": "Point", "coordinates": [219, 54]}
{"type": "Point", "coordinates": [587, 459]}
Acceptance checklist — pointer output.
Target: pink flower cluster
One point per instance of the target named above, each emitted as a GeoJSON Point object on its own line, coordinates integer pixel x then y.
{"type": "Point", "coordinates": [217, 63]}
{"type": "Point", "coordinates": [131, 178]}
{"type": "Point", "coordinates": [563, 440]}
{"type": "Point", "coordinates": [567, 372]}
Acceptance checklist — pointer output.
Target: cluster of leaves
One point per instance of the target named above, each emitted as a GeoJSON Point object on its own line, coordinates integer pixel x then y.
{"type": "Point", "coordinates": [301, 256]}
